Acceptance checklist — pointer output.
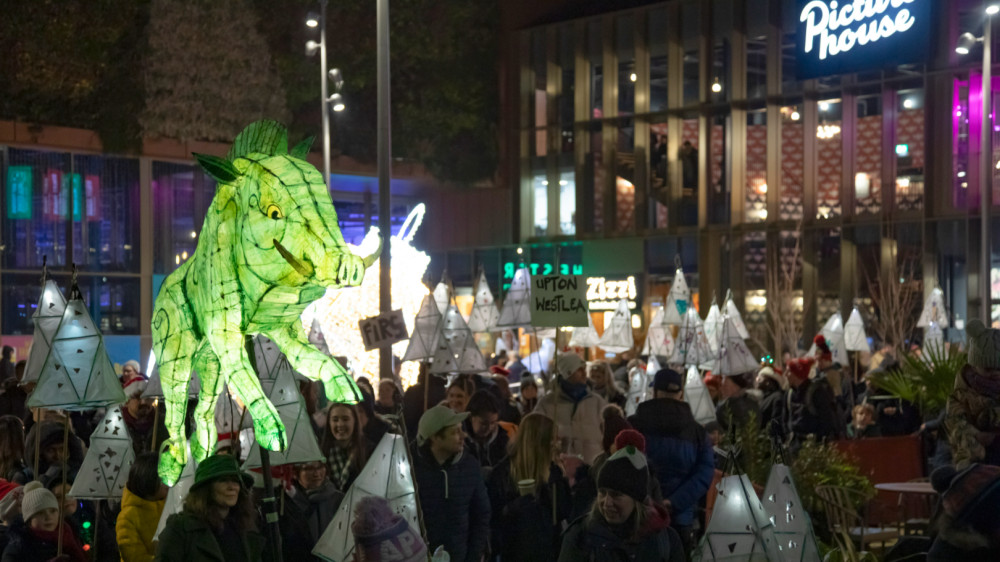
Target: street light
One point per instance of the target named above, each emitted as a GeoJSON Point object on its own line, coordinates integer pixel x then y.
{"type": "Point", "coordinates": [964, 45]}
{"type": "Point", "coordinates": [336, 101]}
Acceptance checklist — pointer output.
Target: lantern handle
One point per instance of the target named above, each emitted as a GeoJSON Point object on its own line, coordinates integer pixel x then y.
{"type": "Point", "coordinates": [677, 261]}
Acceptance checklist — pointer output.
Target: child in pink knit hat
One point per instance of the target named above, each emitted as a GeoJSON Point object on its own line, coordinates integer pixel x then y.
{"type": "Point", "coordinates": [380, 534]}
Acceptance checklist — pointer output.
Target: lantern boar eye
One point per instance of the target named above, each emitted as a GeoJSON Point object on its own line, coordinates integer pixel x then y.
{"type": "Point", "coordinates": [274, 212]}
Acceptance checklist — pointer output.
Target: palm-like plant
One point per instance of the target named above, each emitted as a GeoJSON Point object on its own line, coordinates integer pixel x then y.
{"type": "Point", "coordinates": [925, 379]}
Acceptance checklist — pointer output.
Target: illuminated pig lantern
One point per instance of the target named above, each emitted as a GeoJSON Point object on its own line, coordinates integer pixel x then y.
{"type": "Point", "coordinates": [269, 247]}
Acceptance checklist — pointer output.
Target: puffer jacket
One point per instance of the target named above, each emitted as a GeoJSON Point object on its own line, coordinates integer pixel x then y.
{"type": "Point", "coordinates": [454, 503]}
{"type": "Point", "coordinates": [136, 526]}
{"type": "Point", "coordinates": [579, 423]}
{"type": "Point", "coordinates": [591, 539]}
{"type": "Point", "coordinates": [679, 449]}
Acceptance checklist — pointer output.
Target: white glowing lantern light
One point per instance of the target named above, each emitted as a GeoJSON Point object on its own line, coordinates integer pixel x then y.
{"type": "Point", "coordinates": [339, 311]}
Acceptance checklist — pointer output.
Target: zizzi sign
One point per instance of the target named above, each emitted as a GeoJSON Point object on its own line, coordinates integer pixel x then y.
{"type": "Point", "coordinates": [604, 294]}
{"type": "Point", "coordinates": [840, 37]}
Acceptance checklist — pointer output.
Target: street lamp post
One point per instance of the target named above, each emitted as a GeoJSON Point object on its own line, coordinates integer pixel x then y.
{"type": "Point", "coordinates": [327, 102]}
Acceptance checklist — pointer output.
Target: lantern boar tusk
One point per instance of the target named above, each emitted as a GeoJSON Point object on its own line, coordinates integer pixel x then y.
{"type": "Point", "coordinates": [370, 259]}
{"type": "Point", "coordinates": [304, 269]}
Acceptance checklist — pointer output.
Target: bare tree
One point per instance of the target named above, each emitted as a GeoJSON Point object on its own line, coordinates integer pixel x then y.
{"type": "Point", "coordinates": [895, 295]}
{"type": "Point", "coordinates": [785, 308]}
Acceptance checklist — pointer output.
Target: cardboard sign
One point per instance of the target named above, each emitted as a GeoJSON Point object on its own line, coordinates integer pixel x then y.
{"type": "Point", "coordinates": [383, 330]}
{"type": "Point", "coordinates": [558, 301]}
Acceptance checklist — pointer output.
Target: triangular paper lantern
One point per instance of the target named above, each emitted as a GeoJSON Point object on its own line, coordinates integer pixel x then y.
{"type": "Point", "coordinates": [792, 527]}
{"type": "Point", "coordinates": [855, 338]}
{"type": "Point", "coordinates": [713, 327]}
{"type": "Point", "coordinates": [387, 475]}
{"type": "Point", "coordinates": [516, 311]}
{"type": "Point", "coordinates": [934, 310]}
{"type": "Point", "coordinates": [281, 388]}
{"type": "Point", "coordinates": [617, 337]}
{"type": "Point", "coordinates": [485, 314]}
{"type": "Point", "coordinates": [585, 336]}
{"type": "Point", "coordinates": [734, 313]}
{"type": "Point", "coordinates": [426, 332]}
{"type": "Point", "coordinates": [154, 388]}
{"type": "Point", "coordinates": [457, 349]}
{"type": "Point", "coordinates": [638, 385]}
{"type": "Point", "coordinates": [230, 417]}
{"type": "Point", "coordinates": [677, 300]}
{"type": "Point", "coordinates": [175, 497]}
{"type": "Point", "coordinates": [77, 374]}
{"type": "Point", "coordinates": [442, 296]}
{"type": "Point", "coordinates": [734, 356]}
{"type": "Point", "coordinates": [105, 469]}
{"type": "Point", "coordinates": [697, 396]}
{"type": "Point", "coordinates": [833, 331]}
{"type": "Point", "coordinates": [48, 315]}
{"type": "Point", "coordinates": [691, 346]}
{"type": "Point", "coordinates": [659, 337]}
{"type": "Point", "coordinates": [739, 528]}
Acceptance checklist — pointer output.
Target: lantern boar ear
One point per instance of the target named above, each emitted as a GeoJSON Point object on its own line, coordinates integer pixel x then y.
{"type": "Point", "coordinates": [302, 149]}
{"type": "Point", "coordinates": [220, 169]}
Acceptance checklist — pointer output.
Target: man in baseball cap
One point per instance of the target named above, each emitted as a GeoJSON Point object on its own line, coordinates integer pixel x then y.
{"type": "Point", "coordinates": [452, 491]}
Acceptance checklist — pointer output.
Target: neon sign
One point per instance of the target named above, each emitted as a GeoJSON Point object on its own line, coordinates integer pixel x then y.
{"type": "Point", "coordinates": [837, 37]}
{"type": "Point", "coordinates": [604, 294]}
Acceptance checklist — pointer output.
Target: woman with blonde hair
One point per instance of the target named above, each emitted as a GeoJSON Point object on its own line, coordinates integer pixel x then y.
{"type": "Point", "coordinates": [602, 381]}
{"type": "Point", "coordinates": [529, 494]}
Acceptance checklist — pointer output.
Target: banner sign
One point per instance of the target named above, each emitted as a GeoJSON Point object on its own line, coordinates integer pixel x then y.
{"type": "Point", "coordinates": [383, 330]}
{"type": "Point", "coordinates": [845, 36]}
{"type": "Point", "coordinates": [558, 301]}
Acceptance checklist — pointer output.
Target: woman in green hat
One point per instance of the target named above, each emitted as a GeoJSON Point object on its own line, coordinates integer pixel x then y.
{"type": "Point", "coordinates": [219, 521]}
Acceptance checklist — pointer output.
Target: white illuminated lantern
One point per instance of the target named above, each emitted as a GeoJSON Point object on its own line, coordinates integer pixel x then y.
{"type": "Point", "coordinates": [792, 527]}
{"type": "Point", "coordinates": [833, 332]}
{"type": "Point", "coordinates": [734, 314]}
{"type": "Point", "coordinates": [485, 314]}
{"type": "Point", "coordinates": [934, 311]}
{"type": "Point", "coordinates": [340, 310]}
{"type": "Point", "coordinates": [618, 335]}
{"type": "Point", "coordinates": [457, 351]}
{"type": "Point", "coordinates": [585, 336]}
{"type": "Point", "coordinates": [855, 338]}
{"type": "Point", "coordinates": [387, 475]}
{"type": "Point", "coordinates": [48, 315]}
{"type": "Point", "coordinates": [734, 356]}
{"type": "Point", "coordinates": [516, 311]}
{"type": "Point", "coordinates": [677, 300]}
{"type": "Point", "coordinates": [442, 296]}
{"type": "Point", "coordinates": [230, 416]}
{"type": "Point", "coordinates": [105, 469]}
{"type": "Point", "coordinates": [691, 347]}
{"type": "Point", "coordinates": [638, 385]}
{"type": "Point", "coordinates": [714, 323]}
{"type": "Point", "coordinates": [659, 340]}
{"type": "Point", "coordinates": [154, 388]}
{"type": "Point", "coordinates": [697, 396]}
{"type": "Point", "coordinates": [740, 529]}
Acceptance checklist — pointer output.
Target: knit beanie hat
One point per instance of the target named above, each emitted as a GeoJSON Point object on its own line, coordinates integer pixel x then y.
{"type": "Point", "coordinates": [626, 472]}
{"type": "Point", "coordinates": [799, 368]}
{"type": "Point", "coordinates": [37, 498]}
{"type": "Point", "coordinates": [613, 425]}
{"type": "Point", "coordinates": [568, 363]}
{"type": "Point", "coordinates": [984, 346]}
{"type": "Point", "coordinates": [630, 437]}
{"type": "Point", "coordinates": [381, 535]}
{"type": "Point", "coordinates": [9, 496]}
{"type": "Point", "coordinates": [823, 347]}
{"type": "Point", "coordinates": [769, 372]}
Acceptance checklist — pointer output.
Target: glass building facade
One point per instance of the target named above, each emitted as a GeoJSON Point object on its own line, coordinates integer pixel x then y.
{"type": "Point", "coordinates": [683, 125]}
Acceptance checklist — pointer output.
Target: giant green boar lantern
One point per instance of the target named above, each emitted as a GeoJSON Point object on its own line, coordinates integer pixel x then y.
{"type": "Point", "coordinates": [270, 245]}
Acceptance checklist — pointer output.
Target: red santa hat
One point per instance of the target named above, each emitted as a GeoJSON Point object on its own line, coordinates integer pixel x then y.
{"type": "Point", "coordinates": [135, 386]}
{"type": "Point", "coordinates": [823, 347]}
{"type": "Point", "coordinates": [799, 368]}
{"type": "Point", "coordinates": [498, 370]}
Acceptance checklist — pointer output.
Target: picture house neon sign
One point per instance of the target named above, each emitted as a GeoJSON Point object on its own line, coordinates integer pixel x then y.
{"type": "Point", "coordinates": [847, 36]}
{"type": "Point", "coordinates": [833, 28]}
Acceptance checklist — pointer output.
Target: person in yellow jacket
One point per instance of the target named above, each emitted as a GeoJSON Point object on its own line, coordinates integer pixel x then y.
{"type": "Point", "coordinates": [142, 504]}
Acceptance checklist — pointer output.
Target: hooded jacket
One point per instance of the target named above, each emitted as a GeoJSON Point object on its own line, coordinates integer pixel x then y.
{"type": "Point", "coordinates": [680, 452]}
{"type": "Point", "coordinates": [579, 423]}
{"type": "Point", "coordinates": [592, 539]}
{"type": "Point", "coordinates": [454, 503]}
{"type": "Point", "coordinates": [136, 526]}
{"type": "Point", "coordinates": [52, 433]}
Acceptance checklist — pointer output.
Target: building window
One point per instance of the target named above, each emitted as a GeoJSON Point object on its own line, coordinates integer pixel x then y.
{"type": "Point", "coordinates": [756, 173]}
{"type": "Point", "coordinates": [111, 301]}
{"type": "Point", "coordinates": [658, 60]}
{"type": "Point", "coordinates": [829, 158]}
{"type": "Point", "coordinates": [567, 93]}
{"type": "Point", "coordinates": [567, 202]}
{"type": "Point", "coordinates": [868, 155]}
{"type": "Point", "coordinates": [595, 54]}
{"type": "Point", "coordinates": [691, 37]}
{"type": "Point", "coordinates": [792, 162]}
{"type": "Point", "coordinates": [659, 190]}
{"type": "Point", "coordinates": [790, 83]}
{"type": "Point", "coordinates": [181, 196]}
{"type": "Point", "coordinates": [960, 144]}
{"type": "Point", "coordinates": [37, 208]}
{"type": "Point", "coordinates": [722, 26]}
{"type": "Point", "coordinates": [105, 213]}
{"type": "Point", "coordinates": [538, 77]}
{"type": "Point", "coordinates": [688, 161]}
{"type": "Point", "coordinates": [910, 150]}
{"type": "Point", "coordinates": [625, 48]}
{"type": "Point", "coordinates": [625, 176]}
{"type": "Point", "coordinates": [756, 18]}
{"type": "Point", "coordinates": [718, 167]}
{"type": "Point", "coordinates": [594, 166]}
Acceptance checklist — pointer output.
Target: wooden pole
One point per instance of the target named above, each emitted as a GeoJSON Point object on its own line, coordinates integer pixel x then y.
{"type": "Point", "coordinates": [65, 455]}
{"type": "Point", "coordinates": [38, 438]}
{"type": "Point", "coordinates": [156, 422]}
{"type": "Point", "coordinates": [268, 504]}
{"type": "Point", "coordinates": [97, 526]}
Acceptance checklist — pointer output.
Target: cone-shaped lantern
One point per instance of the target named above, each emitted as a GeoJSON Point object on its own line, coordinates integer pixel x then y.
{"type": "Point", "coordinates": [516, 311]}
{"type": "Point", "coordinates": [734, 356]}
{"type": "Point", "coordinates": [154, 388]}
{"type": "Point", "coordinates": [638, 385]}
{"type": "Point", "coordinates": [48, 315]}
{"type": "Point", "coordinates": [833, 332]}
{"type": "Point", "coordinates": [105, 469]}
{"type": "Point", "coordinates": [585, 336]}
{"type": "Point", "coordinates": [691, 346]}
{"type": "Point", "coordinates": [714, 323]}
{"type": "Point", "coordinates": [426, 332]}
{"type": "Point", "coordinates": [855, 338]}
{"type": "Point", "coordinates": [792, 526]}
{"type": "Point", "coordinates": [659, 339]}
{"type": "Point", "coordinates": [387, 475]}
{"type": "Point", "coordinates": [677, 300]}
{"type": "Point", "coordinates": [442, 295]}
{"type": "Point", "coordinates": [734, 313]}
{"type": "Point", "coordinates": [457, 350]}
{"type": "Point", "coordinates": [696, 395]}
{"type": "Point", "coordinates": [485, 314]}
{"type": "Point", "coordinates": [279, 385]}
{"type": "Point", "coordinates": [618, 335]}
{"type": "Point", "coordinates": [77, 374]}
{"type": "Point", "coordinates": [739, 529]}
{"type": "Point", "coordinates": [934, 310]}
{"type": "Point", "coordinates": [230, 417]}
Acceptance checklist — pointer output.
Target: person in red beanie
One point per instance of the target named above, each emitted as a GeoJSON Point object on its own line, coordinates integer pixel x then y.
{"type": "Point", "coordinates": [840, 382]}
{"type": "Point", "coordinates": [812, 405]}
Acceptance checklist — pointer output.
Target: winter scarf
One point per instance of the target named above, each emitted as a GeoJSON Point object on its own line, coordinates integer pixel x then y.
{"type": "Point", "coordinates": [71, 548]}
{"type": "Point", "coordinates": [340, 466]}
{"type": "Point", "coordinates": [574, 391]}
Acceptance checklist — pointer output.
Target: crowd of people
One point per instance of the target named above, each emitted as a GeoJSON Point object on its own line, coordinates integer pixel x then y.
{"type": "Point", "coordinates": [507, 465]}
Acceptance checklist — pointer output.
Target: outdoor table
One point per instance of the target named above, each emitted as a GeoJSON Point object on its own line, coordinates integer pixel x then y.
{"type": "Point", "coordinates": [909, 525]}
{"type": "Point", "coordinates": [923, 488]}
